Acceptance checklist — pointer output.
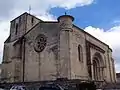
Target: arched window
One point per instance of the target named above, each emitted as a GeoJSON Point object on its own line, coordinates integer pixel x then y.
{"type": "Point", "coordinates": [80, 56]}
{"type": "Point", "coordinates": [32, 20]}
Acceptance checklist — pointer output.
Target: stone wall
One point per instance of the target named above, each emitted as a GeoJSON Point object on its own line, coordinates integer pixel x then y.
{"type": "Point", "coordinates": [41, 65]}
{"type": "Point", "coordinates": [78, 68]}
{"type": "Point", "coordinates": [21, 25]}
{"type": "Point", "coordinates": [50, 51]}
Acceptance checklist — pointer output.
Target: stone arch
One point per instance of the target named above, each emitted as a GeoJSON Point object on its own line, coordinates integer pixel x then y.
{"type": "Point", "coordinates": [98, 67]}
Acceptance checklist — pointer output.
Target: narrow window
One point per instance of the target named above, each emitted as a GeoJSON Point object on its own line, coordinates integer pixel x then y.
{"type": "Point", "coordinates": [16, 29]}
{"type": "Point", "coordinates": [80, 53]}
{"type": "Point", "coordinates": [32, 20]}
{"type": "Point", "coordinates": [20, 21]}
{"type": "Point", "coordinates": [13, 23]}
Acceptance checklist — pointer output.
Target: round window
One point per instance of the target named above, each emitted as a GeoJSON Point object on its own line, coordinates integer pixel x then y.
{"type": "Point", "coordinates": [40, 43]}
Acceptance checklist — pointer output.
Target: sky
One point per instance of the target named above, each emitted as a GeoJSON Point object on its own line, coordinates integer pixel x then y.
{"type": "Point", "coordinates": [101, 18]}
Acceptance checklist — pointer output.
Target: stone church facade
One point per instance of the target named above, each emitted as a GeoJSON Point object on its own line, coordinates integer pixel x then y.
{"type": "Point", "coordinates": [39, 50]}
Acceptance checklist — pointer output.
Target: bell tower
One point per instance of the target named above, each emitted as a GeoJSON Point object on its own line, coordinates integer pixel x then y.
{"type": "Point", "coordinates": [65, 30]}
{"type": "Point", "coordinates": [65, 22]}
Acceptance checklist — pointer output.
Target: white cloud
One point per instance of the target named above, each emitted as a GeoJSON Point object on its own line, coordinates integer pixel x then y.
{"type": "Point", "coordinates": [38, 6]}
{"type": "Point", "coordinates": [4, 32]}
{"type": "Point", "coordinates": [47, 17]}
{"type": "Point", "coordinates": [45, 5]}
{"type": "Point", "coordinates": [41, 7]}
{"type": "Point", "coordinates": [110, 37]}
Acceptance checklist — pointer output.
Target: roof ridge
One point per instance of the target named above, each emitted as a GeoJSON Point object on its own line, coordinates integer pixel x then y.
{"type": "Point", "coordinates": [27, 14]}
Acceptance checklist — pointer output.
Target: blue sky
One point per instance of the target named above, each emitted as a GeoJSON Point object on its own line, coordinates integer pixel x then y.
{"type": "Point", "coordinates": [101, 18]}
{"type": "Point", "coordinates": [102, 14]}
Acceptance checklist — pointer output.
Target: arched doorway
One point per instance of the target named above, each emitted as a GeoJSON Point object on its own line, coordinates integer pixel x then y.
{"type": "Point", "coordinates": [98, 67]}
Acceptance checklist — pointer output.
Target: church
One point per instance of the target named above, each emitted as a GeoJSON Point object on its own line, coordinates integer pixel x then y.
{"type": "Point", "coordinates": [38, 50]}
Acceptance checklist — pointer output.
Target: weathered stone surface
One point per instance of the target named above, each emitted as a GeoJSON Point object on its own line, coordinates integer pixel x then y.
{"type": "Point", "coordinates": [57, 55]}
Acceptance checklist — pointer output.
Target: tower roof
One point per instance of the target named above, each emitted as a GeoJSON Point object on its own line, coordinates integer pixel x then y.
{"type": "Point", "coordinates": [66, 16]}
